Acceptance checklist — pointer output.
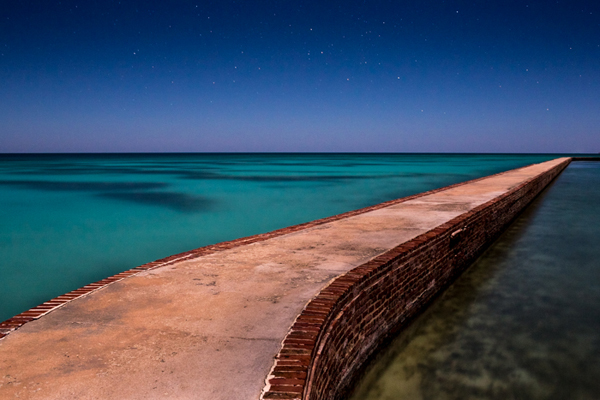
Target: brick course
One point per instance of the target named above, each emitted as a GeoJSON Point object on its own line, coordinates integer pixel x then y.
{"type": "Point", "coordinates": [342, 327]}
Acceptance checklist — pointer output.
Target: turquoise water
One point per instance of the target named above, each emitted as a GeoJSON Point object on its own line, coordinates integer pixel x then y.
{"type": "Point", "coordinates": [68, 220]}
{"type": "Point", "coordinates": [522, 323]}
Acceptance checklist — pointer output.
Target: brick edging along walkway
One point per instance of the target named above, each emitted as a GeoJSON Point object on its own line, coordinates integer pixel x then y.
{"type": "Point", "coordinates": [350, 318]}
{"type": "Point", "coordinates": [34, 313]}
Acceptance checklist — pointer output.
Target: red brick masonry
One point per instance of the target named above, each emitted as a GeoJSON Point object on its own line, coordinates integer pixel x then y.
{"type": "Point", "coordinates": [350, 319]}
{"type": "Point", "coordinates": [329, 341]}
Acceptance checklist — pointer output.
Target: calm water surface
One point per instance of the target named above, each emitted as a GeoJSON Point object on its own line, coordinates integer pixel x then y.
{"type": "Point", "coordinates": [523, 322]}
{"type": "Point", "coordinates": [68, 220]}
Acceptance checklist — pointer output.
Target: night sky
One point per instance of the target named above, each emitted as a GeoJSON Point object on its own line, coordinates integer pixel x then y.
{"type": "Point", "coordinates": [296, 76]}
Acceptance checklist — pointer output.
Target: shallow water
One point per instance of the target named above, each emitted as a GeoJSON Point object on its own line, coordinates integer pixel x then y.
{"type": "Point", "coordinates": [522, 323]}
{"type": "Point", "coordinates": [68, 220]}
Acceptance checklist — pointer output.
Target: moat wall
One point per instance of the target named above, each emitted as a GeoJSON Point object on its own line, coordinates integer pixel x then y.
{"type": "Point", "coordinates": [215, 318]}
{"type": "Point", "coordinates": [342, 327]}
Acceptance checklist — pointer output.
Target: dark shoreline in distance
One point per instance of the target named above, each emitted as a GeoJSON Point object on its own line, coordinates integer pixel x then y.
{"type": "Point", "coordinates": [597, 158]}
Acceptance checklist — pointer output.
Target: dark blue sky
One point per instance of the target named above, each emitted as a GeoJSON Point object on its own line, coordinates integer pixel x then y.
{"type": "Point", "coordinates": [433, 76]}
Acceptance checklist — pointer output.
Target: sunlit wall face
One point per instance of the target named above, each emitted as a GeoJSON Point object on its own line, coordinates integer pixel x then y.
{"type": "Point", "coordinates": [302, 76]}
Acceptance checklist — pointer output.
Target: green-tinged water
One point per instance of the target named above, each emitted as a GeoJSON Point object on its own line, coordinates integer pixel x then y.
{"type": "Point", "coordinates": [522, 323]}
{"type": "Point", "coordinates": [68, 220]}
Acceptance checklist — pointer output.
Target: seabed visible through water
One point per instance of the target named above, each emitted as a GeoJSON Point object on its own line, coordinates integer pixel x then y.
{"type": "Point", "coordinates": [70, 219]}
{"type": "Point", "coordinates": [522, 323]}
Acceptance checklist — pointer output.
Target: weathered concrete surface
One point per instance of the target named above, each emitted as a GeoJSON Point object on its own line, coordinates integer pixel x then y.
{"type": "Point", "coordinates": [208, 328]}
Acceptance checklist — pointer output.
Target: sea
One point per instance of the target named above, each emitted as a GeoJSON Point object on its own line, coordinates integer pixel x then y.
{"type": "Point", "coordinates": [67, 220]}
{"type": "Point", "coordinates": [523, 322]}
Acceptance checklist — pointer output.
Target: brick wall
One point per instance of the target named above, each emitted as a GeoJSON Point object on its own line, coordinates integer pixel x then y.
{"type": "Point", "coordinates": [359, 311]}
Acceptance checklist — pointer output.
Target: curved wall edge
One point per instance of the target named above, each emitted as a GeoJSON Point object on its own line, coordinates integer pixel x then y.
{"type": "Point", "coordinates": [339, 329]}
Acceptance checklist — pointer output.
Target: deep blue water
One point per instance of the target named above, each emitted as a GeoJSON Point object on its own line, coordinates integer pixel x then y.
{"type": "Point", "coordinates": [522, 323]}
{"type": "Point", "coordinates": [68, 220]}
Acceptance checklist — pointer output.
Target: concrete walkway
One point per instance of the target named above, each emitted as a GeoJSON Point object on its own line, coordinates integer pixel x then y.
{"type": "Point", "coordinates": [208, 328]}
